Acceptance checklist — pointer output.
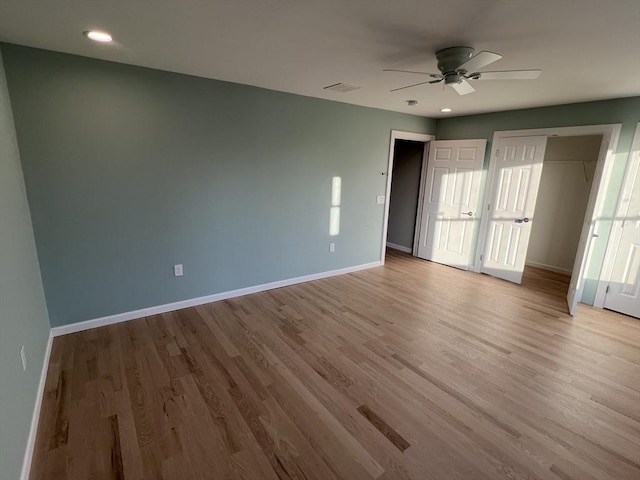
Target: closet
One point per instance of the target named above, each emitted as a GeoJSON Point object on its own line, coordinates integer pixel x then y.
{"type": "Point", "coordinates": [567, 175]}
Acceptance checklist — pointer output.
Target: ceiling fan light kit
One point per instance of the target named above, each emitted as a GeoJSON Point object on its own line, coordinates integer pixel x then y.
{"type": "Point", "coordinates": [457, 65]}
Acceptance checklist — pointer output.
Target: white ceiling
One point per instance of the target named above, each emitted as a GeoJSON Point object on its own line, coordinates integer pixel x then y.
{"type": "Point", "coordinates": [588, 50]}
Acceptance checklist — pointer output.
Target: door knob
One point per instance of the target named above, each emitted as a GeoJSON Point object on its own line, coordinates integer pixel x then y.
{"type": "Point", "coordinates": [522, 220]}
{"type": "Point", "coordinates": [470, 214]}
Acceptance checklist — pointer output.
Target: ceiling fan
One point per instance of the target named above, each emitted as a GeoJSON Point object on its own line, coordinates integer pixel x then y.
{"type": "Point", "coordinates": [459, 64]}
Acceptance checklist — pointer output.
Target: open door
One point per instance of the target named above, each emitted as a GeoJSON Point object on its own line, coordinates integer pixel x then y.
{"type": "Point", "coordinates": [584, 245]}
{"type": "Point", "coordinates": [623, 291]}
{"type": "Point", "coordinates": [451, 201]}
{"type": "Point", "coordinates": [515, 188]}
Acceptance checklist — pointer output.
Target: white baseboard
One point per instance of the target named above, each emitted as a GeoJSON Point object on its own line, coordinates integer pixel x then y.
{"type": "Point", "coordinates": [35, 418]}
{"type": "Point", "coordinates": [395, 246]}
{"type": "Point", "coordinates": [169, 307]}
{"type": "Point", "coordinates": [551, 268]}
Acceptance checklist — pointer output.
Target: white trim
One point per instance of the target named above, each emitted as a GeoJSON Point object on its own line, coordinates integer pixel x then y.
{"type": "Point", "coordinates": [551, 268]}
{"type": "Point", "coordinates": [610, 134]}
{"type": "Point", "coordinates": [35, 417]}
{"type": "Point", "coordinates": [395, 135]}
{"type": "Point", "coordinates": [169, 307]}
{"type": "Point", "coordinates": [616, 227]}
{"type": "Point", "coordinates": [395, 246]}
{"type": "Point", "coordinates": [576, 131]}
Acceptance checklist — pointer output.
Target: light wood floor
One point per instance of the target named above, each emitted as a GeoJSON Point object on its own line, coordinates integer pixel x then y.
{"type": "Point", "coordinates": [412, 370]}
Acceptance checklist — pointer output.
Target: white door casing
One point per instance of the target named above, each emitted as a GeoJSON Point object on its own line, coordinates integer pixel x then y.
{"type": "Point", "coordinates": [395, 135]}
{"type": "Point", "coordinates": [511, 210]}
{"type": "Point", "coordinates": [449, 210]}
{"type": "Point", "coordinates": [623, 293]}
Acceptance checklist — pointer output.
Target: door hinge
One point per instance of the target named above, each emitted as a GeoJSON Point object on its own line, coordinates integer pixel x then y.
{"type": "Point", "coordinates": [497, 152]}
{"type": "Point", "coordinates": [481, 257]}
{"type": "Point", "coordinates": [489, 207]}
{"type": "Point", "coordinates": [607, 290]}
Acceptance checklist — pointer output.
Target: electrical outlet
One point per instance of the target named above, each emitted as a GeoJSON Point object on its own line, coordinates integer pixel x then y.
{"type": "Point", "coordinates": [332, 247]}
{"type": "Point", "coordinates": [380, 199]}
{"type": "Point", "coordinates": [177, 270]}
{"type": "Point", "coordinates": [23, 357]}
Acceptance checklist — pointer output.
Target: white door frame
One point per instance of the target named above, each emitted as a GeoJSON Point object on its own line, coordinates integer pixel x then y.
{"type": "Point", "coordinates": [616, 227]}
{"type": "Point", "coordinates": [399, 135]}
{"type": "Point", "coordinates": [610, 134]}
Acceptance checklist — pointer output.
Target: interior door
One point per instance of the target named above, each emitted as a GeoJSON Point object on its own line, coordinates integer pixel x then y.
{"type": "Point", "coordinates": [623, 293]}
{"type": "Point", "coordinates": [450, 201]}
{"type": "Point", "coordinates": [515, 187]}
{"type": "Point", "coordinates": [584, 245]}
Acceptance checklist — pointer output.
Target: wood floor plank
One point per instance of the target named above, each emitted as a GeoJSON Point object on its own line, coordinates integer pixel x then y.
{"type": "Point", "coordinates": [409, 371]}
{"type": "Point", "coordinates": [394, 437]}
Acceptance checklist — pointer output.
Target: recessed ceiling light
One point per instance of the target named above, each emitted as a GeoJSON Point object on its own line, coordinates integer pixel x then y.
{"type": "Point", "coordinates": [98, 36]}
{"type": "Point", "coordinates": [445, 110]}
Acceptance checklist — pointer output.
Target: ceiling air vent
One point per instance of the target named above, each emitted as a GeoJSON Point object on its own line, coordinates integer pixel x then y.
{"type": "Point", "coordinates": [341, 87]}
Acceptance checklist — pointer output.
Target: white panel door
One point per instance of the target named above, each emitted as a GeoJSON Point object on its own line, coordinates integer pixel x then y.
{"type": "Point", "coordinates": [623, 294]}
{"type": "Point", "coordinates": [516, 180]}
{"type": "Point", "coordinates": [576, 285]}
{"type": "Point", "coordinates": [450, 205]}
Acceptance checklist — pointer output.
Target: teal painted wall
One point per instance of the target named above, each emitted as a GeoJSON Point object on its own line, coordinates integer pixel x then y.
{"type": "Point", "coordinates": [131, 170]}
{"type": "Point", "coordinates": [624, 110]}
{"type": "Point", "coordinates": [23, 313]}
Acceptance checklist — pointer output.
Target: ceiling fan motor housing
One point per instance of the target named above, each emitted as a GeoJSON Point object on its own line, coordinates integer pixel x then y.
{"type": "Point", "coordinates": [449, 59]}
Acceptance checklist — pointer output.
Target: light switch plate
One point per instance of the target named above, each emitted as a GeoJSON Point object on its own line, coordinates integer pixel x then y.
{"type": "Point", "coordinates": [380, 199]}
{"type": "Point", "coordinates": [177, 270]}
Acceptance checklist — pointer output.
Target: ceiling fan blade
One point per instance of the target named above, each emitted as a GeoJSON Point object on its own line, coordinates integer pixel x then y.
{"type": "Point", "coordinates": [480, 60]}
{"type": "Point", "coordinates": [508, 75]}
{"type": "Point", "coordinates": [463, 88]}
{"type": "Point", "coordinates": [434, 75]}
{"type": "Point", "coordinates": [415, 85]}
